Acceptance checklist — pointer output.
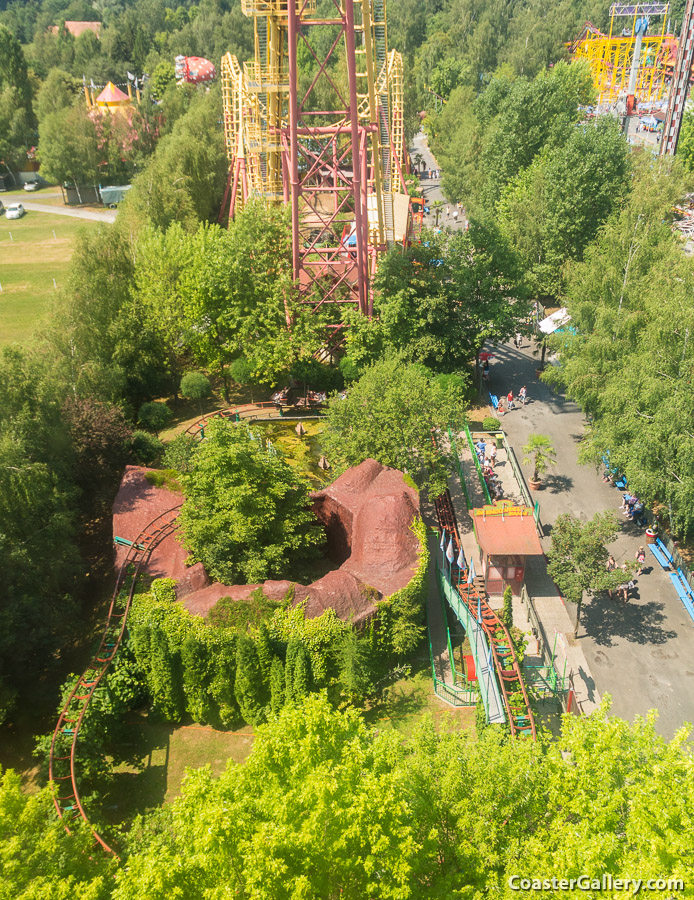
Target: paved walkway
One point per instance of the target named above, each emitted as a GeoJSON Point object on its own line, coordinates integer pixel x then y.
{"type": "Point", "coordinates": [552, 614]}
{"type": "Point", "coordinates": [642, 654]}
{"type": "Point", "coordinates": [431, 187]}
{"type": "Point", "coordinates": [93, 215]}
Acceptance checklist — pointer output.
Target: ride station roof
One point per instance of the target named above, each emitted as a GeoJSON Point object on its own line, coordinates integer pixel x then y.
{"type": "Point", "coordinates": [512, 534]}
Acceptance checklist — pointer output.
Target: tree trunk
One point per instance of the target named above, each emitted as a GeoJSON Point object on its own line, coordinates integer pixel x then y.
{"type": "Point", "coordinates": [578, 616]}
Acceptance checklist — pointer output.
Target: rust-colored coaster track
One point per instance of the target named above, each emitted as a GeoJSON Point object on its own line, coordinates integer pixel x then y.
{"type": "Point", "coordinates": [62, 766]}
{"type": "Point", "coordinates": [249, 412]}
{"type": "Point", "coordinates": [508, 670]}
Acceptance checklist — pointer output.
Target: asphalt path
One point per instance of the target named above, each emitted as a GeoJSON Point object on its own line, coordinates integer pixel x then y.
{"type": "Point", "coordinates": [642, 654]}
{"type": "Point", "coordinates": [431, 187]}
{"type": "Point", "coordinates": [92, 215]}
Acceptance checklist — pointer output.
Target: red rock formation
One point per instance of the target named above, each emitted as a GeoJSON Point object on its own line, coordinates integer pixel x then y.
{"type": "Point", "coordinates": [367, 513]}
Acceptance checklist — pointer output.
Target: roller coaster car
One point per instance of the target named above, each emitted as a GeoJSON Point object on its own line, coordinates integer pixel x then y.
{"type": "Point", "coordinates": [293, 397]}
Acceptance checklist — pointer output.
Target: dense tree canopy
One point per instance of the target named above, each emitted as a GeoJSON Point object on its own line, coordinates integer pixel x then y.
{"type": "Point", "coordinates": [552, 210]}
{"type": "Point", "coordinates": [391, 414]}
{"type": "Point", "coordinates": [327, 808]}
{"type": "Point", "coordinates": [483, 145]}
{"type": "Point", "coordinates": [246, 514]}
{"type": "Point", "coordinates": [440, 300]}
{"type": "Point", "coordinates": [629, 361]}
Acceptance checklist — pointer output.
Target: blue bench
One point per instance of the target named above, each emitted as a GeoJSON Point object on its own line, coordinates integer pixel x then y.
{"type": "Point", "coordinates": [686, 584]}
{"type": "Point", "coordinates": [494, 400]}
{"type": "Point", "coordinates": [662, 559]}
{"type": "Point", "coordinates": [684, 593]}
{"type": "Point", "coordinates": [664, 550]}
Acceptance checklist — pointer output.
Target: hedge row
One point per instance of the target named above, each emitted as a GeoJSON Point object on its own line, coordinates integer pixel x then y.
{"type": "Point", "coordinates": [226, 675]}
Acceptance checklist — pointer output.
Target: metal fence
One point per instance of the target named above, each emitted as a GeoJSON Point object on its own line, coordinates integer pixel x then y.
{"type": "Point", "coordinates": [520, 478]}
{"type": "Point", "coordinates": [544, 677]}
{"type": "Point", "coordinates": [459, 468]}
{"type": "Point", "coordinates": [476, 461]}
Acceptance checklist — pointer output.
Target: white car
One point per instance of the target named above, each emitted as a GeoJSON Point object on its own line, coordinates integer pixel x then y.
{"type": "Point", "coordinates": [31, 186]}
{"type": "Point", "coordinates": [15, 211]}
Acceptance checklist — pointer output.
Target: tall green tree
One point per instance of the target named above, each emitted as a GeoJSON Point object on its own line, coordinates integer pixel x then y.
{"type": "Point", "coordinates": [322, 796]}
{"type": "Point", "coordinates": [501, 133]}
{"type": "Point", "coordinates": [438, 302]}
{"type": "Point", "coordinates": [577, 559]}
{"type": "Point", "coordinates": [622, 363]}
{"type": "Point", "coordinates": [392, 415]}
{"type": "Point", "coordinates": [552, 210]}
{"type": "Point", "coordinates": [69, 147]}
{"type": "Point", "coordinates": [249, 686]}
{"type": "Point", "coordinates": [246, 514]}
{"type": "Point", "coordinates": [226, 293]}
{"type": "Point", "coordinates": [37, 855]}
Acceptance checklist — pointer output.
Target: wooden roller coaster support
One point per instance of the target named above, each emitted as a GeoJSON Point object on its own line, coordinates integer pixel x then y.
{"type": "Point", "coordinates": [62, 758]}
{"type": "Point", "coordinates": [516, 701]}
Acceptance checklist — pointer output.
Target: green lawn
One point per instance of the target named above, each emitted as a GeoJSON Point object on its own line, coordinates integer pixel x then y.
{"type": "Point", "coordinates": [28, 264]}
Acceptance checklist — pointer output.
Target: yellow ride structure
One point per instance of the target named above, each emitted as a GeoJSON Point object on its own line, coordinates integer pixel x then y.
{"type": "Point", "coordinates": [328, 140]}
{"type": "Point", "coordinates": [611, 56]}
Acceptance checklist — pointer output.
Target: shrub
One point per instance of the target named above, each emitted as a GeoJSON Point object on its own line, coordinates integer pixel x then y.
{"type": "Point", "coordinates": [195, 386]}
{"type": "Point", "coordinates": [507, 613]}
{"type": "Point", "coordinates": [179, 453]}
{"type": "Point", "coordinates": [154, 416]}
{"type": "Point", "coordinates": [491, 424]}
{"type": "Point", "coordinates": [146, 448]}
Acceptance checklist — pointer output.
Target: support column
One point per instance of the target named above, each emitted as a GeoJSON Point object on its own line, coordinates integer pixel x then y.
{"type": "Point", "coordinates": [293, 37]}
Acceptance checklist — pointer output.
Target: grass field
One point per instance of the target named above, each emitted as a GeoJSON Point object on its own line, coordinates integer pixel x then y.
{"type": "Point", "coordinates": [28, 264]}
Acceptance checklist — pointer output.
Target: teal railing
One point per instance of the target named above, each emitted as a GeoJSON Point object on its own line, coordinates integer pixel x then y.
{"type": "Point", "coordinates": [480, 650]}
{"type": "Point", "coordinates": [476, 461]}
{"type": "Point", "coordinates": [459, 468]}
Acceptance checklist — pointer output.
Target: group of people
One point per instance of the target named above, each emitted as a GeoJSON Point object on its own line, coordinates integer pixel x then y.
{"type": "Point", "coordinates": [629, 583]}
{"type": "Point", "coordinates": [511, 400]}
{"type": "Point", "coordinates": [486, 454]}
{"type": "Point", "coordinates": [633, 508]}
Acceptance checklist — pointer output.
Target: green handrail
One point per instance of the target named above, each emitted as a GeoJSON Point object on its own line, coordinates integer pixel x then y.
{"type": "Point", "coordinates": [459, 468]}
{"type": "Point", "coordinates": [477, 464]}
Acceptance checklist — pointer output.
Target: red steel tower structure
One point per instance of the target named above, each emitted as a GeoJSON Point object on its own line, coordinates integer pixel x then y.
{"type": "Point", "coordinates": [680, 84]}
{"type": "Point", "coordinates": [316, 121]}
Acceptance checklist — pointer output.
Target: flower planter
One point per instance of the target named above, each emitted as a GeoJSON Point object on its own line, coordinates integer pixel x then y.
{"type": "Point", "coordinates": [534, 485]}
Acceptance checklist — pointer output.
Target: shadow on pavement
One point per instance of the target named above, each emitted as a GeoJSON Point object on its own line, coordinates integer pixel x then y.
{"type": "Point", "coordinates": [558, 483]}
{"type": "Point", "coordinates": [636, 622]}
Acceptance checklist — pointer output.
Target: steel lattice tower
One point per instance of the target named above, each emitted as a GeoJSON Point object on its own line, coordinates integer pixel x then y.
{"type": "Point", "coordinates": [680, 83]}
{"type": "Point", "coordinates": [316, 121]}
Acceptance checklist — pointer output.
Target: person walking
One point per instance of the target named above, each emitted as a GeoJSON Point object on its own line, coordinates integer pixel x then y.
{"type": "Point", "coordinates": [523, 395]}
{"type": "Point", "coordinates": [518, 340]}
{"type": "Point", "coordinates": [611, 565]}
{"type": "Point", "coordinates": [509, 400]}
{"type": "Point", "coordinates": [626, 586]}
{"type": "Point", "coordinates": [491, 453]}
{"type": "Point", "coordinates": [640, 559]}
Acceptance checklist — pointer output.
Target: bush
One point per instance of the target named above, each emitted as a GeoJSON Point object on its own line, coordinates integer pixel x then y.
{"type": "Point", "coordinates": [195, 386]}
{"type": "Point", "coordinates": [491, 424]}
{"type": "Point", "coordinates": [146, 448]}
{"type": "Point", "coordinates": [179, 453]}
{"type": "Point", "coordinates": [154, 416]}
{"type": "Point", "coordinates": [507, 612]}
{"type": "Point", "coordinates": [400, 615]}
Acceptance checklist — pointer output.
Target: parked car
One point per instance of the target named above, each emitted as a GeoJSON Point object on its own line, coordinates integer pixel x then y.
{"type": "Point", "coordinates": [15, 211]}
{"type": "Point", "coordinates": [31, 185]}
